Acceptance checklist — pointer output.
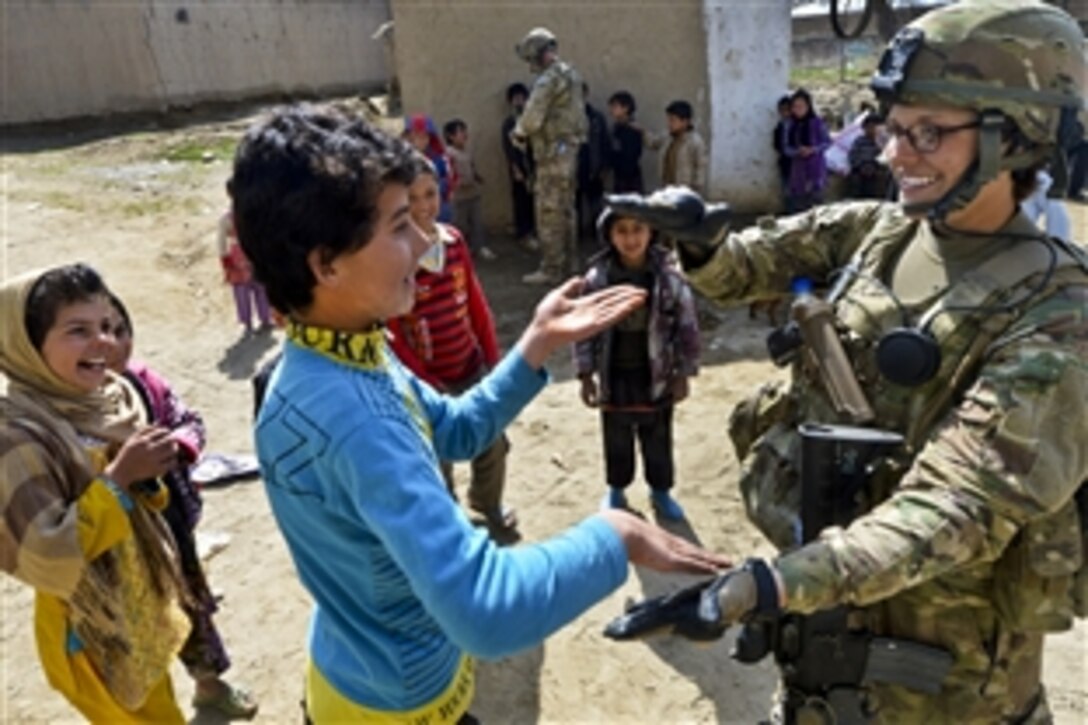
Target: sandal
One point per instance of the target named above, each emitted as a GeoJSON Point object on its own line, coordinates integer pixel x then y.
{"type": "Point", "coordinates": [234, 702]}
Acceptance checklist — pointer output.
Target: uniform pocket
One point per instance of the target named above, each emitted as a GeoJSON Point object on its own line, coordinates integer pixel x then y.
{"type": "Point", "coordinates": [1034, 579]}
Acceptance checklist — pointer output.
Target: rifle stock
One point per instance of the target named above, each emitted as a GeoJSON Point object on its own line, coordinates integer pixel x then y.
{"type": "Point", "coordinates": [824, 657]}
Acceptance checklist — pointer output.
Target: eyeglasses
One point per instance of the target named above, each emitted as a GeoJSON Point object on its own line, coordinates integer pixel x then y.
{"type": "Point", "coordinates": [925, 138]}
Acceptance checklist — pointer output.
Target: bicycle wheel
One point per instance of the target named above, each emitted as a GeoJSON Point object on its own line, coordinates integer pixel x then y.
{"type": "Point", "coordinates": [849, 18]}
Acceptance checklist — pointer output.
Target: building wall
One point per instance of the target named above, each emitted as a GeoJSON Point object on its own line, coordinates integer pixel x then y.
{"type": "Point", "coordinates": [63, 59]}
{"type": "Point", "coordinates": [748, 62]}
{"type": "Point", "coordinates": [457, 58]}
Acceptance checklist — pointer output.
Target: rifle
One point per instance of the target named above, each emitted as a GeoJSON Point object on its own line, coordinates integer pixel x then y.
{"type": "Point", "coordinates": [825, 657]}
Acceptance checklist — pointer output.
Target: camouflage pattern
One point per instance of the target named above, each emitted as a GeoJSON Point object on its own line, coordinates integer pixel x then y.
{"type": "Point", "coordinates": [554, 116]}
{"type": "Point", "coordinates": [554, 122]}
{"type": "Point", "coordinates": [553, 202]}
{"type": "Point", "coordinates": [973, 537]}
{"type": "Point", "coordinates": [1021, 57]}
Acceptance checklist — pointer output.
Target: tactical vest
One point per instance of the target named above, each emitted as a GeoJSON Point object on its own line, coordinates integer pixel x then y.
{"type": "Point", "coordinates": [1041, 580]}
{"type": "Point", "coordinates": [566, 120]}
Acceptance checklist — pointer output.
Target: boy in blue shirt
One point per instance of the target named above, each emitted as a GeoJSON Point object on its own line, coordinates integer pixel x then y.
{"type": "Point", "coordinates": [406, 589]}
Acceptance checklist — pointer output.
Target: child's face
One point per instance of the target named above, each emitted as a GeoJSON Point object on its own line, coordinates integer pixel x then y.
{"type": "Point", "coordinates": [618, 111]}
{"type": "Point", "coordinates": [518, 101]}
{"type": "Point", "coordinates": [675, 123]}
{"type": "Point", "coordinates": [78, 345]}
{"type": "Point", "coordinates": [799, 107]}
{"type": "Point", "coordinates": [122, 349]}
{"type": "Point", "coordinates": [377, 281]}
{"type": "Point", "coordinates": [631, 239]}
{"type": "Point", "coordinates": [424, 202]}
{"type": "Point", "coordinates": [459, 138]}
{"type": "Point", "coordinates": [419, 139]}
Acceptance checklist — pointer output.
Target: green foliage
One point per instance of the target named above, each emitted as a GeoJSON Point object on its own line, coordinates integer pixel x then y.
{"type": "Point", "coordinates": [195, 150]}
{"type": "Point", "coordinates": [860, 70]}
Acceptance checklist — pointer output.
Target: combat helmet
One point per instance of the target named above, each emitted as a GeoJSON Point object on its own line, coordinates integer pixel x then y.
{"type": "Point", "coordinates": [532, 46]}
{"type": "Point", "coordinates": [1018, 63]}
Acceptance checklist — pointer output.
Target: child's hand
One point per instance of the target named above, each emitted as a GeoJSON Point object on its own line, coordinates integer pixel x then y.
{"type": "Point", "coordinates": [680, 389]}
{"type": "Point", "coordinates": [589, 391]}
{"type": "Point", "coordinates": [148, 453]}
{"type": "Point", "coordinates": [563, 317]}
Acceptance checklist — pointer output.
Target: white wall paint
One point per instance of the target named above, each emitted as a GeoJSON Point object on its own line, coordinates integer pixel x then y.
{"type": "Point", "coordinates": [748, 59]}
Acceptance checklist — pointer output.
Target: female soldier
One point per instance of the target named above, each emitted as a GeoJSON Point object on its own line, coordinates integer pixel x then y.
{"type": "Point", "coordinates": [966, 332]}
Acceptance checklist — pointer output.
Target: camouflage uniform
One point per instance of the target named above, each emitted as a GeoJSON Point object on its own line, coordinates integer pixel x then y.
{"type": "Point", "coordinates": [554, 122]}
{"type": "Point", "coordinates": [984, 490]}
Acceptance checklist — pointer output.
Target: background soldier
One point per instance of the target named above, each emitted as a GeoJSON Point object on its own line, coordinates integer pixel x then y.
{"type": "Point", "coordinates": [966, 331]}
{"type": "Point", "coordinates": [554, 125]}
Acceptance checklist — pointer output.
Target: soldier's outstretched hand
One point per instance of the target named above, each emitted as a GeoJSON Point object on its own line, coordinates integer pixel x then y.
{"type": "Point", "coordinates": [705, 610]}
{"type": "Point", "coordinates": [564, 317]}
{"type": "Point", "coordinates": [681, 214]}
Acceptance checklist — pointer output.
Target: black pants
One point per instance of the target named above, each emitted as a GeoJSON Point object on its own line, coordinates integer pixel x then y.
{"type": "Point", "coordinates": [654, 432]}
{"type": "Point", "coordinates": [587, 202]}
{"type": "Point", "coordinates": [524, 223]}
{"type": "Point", "coordinates": [1078, 168]}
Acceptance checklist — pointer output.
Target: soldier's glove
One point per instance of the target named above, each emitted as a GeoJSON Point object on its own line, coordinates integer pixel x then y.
{"type": "Point", "coordinates": [680, 213]}
{"type": "Point", "coordinates": [704, 611]}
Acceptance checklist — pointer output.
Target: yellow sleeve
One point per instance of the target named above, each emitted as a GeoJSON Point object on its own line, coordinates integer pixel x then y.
{"type": "Point", "coordinates": [102, 518]}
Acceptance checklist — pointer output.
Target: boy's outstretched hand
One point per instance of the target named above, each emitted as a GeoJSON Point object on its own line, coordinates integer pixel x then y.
{"type": "Point", "coordinates": [655, 548]}
{"type": "Point", "coordinates": [563, 317]}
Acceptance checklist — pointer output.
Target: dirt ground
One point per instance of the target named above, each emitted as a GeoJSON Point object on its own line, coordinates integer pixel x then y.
{"type": "Point", "coordinates": [141, 204]}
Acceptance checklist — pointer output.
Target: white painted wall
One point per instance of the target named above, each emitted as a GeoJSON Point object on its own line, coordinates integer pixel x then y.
{"type": "Point", "coordinates": [748, 61]}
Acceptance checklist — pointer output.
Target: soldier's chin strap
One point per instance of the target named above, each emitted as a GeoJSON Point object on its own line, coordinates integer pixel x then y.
{"type": "Point", "coordinates": [985, 169]}
{"type": "Point", "coordinates": [993, 158]}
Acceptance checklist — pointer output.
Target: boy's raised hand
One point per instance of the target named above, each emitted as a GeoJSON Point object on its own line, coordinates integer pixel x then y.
{"type": "Point", "coordinates": [563, 317]}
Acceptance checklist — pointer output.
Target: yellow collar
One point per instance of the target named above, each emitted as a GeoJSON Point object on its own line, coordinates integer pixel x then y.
{"type": "Point", "coordinates": [364, 350]}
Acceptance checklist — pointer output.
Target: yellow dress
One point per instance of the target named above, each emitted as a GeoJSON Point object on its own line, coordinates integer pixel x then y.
{"type": "Point", "coordinates": [103, 524]}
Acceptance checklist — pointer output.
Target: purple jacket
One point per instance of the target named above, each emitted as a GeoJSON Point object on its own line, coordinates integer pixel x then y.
{"type": "Point", "coordinates": [673, 331]}
{"type": "Point", "coordinates": [807, 175]}
{"type": "Point", "coordinates": [166, 409]}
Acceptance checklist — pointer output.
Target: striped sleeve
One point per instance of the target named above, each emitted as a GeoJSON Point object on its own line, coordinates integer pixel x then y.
{"type": "Point", "coordinates": [45, 540]}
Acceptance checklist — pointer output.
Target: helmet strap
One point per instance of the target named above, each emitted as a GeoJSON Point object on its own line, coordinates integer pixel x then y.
{"type": "Point", "coordinates": [990, 162]}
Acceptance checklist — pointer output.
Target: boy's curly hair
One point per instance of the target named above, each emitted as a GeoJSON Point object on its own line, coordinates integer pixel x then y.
{"type": "Point", "coordinates": [308, 178]}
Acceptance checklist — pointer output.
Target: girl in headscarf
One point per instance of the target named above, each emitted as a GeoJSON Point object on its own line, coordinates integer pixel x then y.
{"type": "Point", "coordinates": [805, 145]}
{"type": "Point", "coordinates": [204, 654]}
{"type": "Point", "coordinates": [420, 131]}
{"type": "Point", "coordinates": [79, 498]}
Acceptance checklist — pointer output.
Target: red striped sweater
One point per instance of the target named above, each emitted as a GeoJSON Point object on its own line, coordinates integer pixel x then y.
{"type": "Point", "coordinates": [449, 336]}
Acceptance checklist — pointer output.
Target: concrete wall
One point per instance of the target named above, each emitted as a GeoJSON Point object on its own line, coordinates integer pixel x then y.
{"type": "Point", "coordinates": [63, 58]}
{"type": "Point", "coordinates": [748, 61]}
{"type": "Point", "coordinates": [457, 58]}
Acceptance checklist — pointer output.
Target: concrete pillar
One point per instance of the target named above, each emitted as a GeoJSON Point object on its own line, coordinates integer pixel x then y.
{"type": "Point", "coordinates": [748, 65]}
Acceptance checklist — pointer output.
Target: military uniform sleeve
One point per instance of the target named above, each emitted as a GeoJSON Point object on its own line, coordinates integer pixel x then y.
{"type": "Point", "coordinates": [761, 261]}
{"type": "Point", "coordinates": [1012, 452]}
{"type": "Point", "coordinates": [536, 108]}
